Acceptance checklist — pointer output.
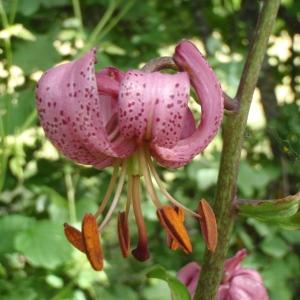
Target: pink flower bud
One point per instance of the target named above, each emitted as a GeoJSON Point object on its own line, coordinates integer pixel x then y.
{"type": "Point", "coordinates": [238, 283]}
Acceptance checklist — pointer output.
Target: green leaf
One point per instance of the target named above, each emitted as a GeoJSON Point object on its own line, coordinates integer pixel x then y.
{"type": "Point", "coordinates": [178, 290]}
{"type": "Point", "coordinates": [55, 3]}
{"type": "Point", "coordinates": [291, 236]}
{"type": "Point", "coordinates": [9, 227]}
{"type": "Point", "coordinates": [291, 223]}
{"type": "Point", "coordinates": [28, 8]}
{"type": "Point", "coordinates": [34, 57]}
{"type": "Point", "coordinates": [272, 210]}
{"type": "Point", "coordinates": [17, 110]}
{"type": "Point", "coordinates": [275, 246]}
{"type": "Point", "coordinates": [44, 244]}
{"type": "Point", "coordinates": [252, 179]}
{"type": "Point", "coordinates": [58, 208]}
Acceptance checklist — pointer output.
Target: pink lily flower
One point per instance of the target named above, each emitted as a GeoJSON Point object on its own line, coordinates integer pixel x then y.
{"type": "Point", "coordinates": [125, 120]}
{"type": "Point", "coordinates": [238, 283]}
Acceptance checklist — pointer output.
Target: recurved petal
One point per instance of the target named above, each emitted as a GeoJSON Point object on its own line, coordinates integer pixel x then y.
{"type": "Point", "coordinates": [189, 125]}
{"type": "Point", "coordinates": [207, 87]}
{"type": "Point", "coordinates": [108, 81]}
{"type": "Point", "coordinates": [55, 119]}
{"type": "Point", "coordinates": [233, 263]}
{"type": "Point", "coordinates": [153, 106]}
{"type": "Point", "coordinates": [73, 114]}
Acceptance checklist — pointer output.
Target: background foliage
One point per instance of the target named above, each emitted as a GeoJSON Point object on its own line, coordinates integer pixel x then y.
{"type": "Point", "coordinates": [40, 189]}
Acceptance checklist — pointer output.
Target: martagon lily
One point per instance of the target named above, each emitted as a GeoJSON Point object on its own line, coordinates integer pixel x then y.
{"type": "Point", "coordinates": [127, 120]}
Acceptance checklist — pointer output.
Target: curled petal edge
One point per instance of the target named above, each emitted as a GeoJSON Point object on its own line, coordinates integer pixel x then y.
{"type": "Point", "coordinates": [189, 59]}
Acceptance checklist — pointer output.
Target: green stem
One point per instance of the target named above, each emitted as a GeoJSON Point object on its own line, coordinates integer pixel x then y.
{"type": "Point", "coordinates": [8, 53]}
{"type": "Point", "coordinates": [99, 27]}
{"type": "Point", "coordinates": [234, 129]}
{"type": "Point", "coordinates": [70, 194]}
{"type": "Point", "coordinates": [77, 13]}
{"type": "Point", "coordinates": [116, 19]}
{"type": "Point", "coordinates": [4, 155]}
{"type": "Point", "coordinates": [13, 11]}
{"type": "Point", "coordinates": [7, 42]}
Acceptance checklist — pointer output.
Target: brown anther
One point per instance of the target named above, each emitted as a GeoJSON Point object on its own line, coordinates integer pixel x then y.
{"type": "Point", "coordinates": [141, 252]}
{"type": "Point", "coordinates": [74, 236]}
{"type": "Point", "coordinates": [173, 244]}
{"type": "Point", "coordinates": [92, 242]}
{"type": "Point", "coordinates": [123, 234]}
{"type": "Point", "coordinates": [172, 220]}
{"type": "Point", "coordinates": [208, 225]}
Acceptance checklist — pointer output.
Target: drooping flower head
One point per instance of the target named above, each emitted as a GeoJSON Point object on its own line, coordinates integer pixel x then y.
{"type": "Point", "coordinates": [237, 283]}
{"type": "Point", "coordinates": [125, 120]}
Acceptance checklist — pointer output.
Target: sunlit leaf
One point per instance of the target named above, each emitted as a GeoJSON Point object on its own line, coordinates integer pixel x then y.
{"type": "Point", "coordinates": [17, 30]}
{"type": "Point", "coordinates": [44, 244]}
{"type": "Point", "coordinates": [178, 290]}
{"type": "Point", "coordinates": [8, 231]}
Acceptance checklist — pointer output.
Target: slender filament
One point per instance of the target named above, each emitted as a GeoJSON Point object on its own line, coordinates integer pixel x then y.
{"type": "Point", "coordinates": [116, 197]}
{"type": "Point", "coordinates": [109, 191]}
{"type": "Point", "coordinates": [147, 176]}
{"type": "Point", "coordinates": [163, 189]}
{"type": "Point", "coordinates": [129, 196]}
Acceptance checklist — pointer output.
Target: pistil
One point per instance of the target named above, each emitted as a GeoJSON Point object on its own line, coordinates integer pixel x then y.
{"type": "Point", "coordinates": [141, 251]}
{"type": "Point", "coordinates": [147, 177]}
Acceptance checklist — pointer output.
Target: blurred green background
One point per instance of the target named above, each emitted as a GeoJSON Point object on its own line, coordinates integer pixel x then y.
{"type": "Point", "coordinates": [39, 187]}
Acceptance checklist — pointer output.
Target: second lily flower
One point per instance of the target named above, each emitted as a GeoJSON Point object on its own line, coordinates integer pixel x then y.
{"type": "Point", "coordinates": [124, 120]}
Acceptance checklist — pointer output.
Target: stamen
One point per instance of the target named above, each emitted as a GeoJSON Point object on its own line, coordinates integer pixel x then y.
{"type": "Point", "coordinates": [163, 189]}
{"type": "Point", "coordinates": [173, 244]}
{"type": "Point", "coordinates": [129, 196]}
{"type": "Point", "coordinates": [112, 124]}
{"type": "Point", "coordinates": [116, 197]}
{"type": "Point", "coordinates": [114, 135]}
{"type": "Point", "coordinates": [171, 221]}
{"type": "Point", "coordinates": [141, 252]}
{"type": "Point", "coordinates": [109, 191]}
{"type": "Point", "coordinates": [208, 225]}
{"type": "Point", "coordinates": [147, 176]}
{"type": "Point", "coordinates": [123, 234]}
{"type": "Point", "coordinates": [74, 236]}
{"type": "Point", "coordinates": [92, 242]}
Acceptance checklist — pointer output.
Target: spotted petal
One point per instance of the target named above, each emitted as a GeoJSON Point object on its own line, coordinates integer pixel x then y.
{"type": "Point", "coordinates": [153, 106]}
{"type": "Point", "coordinates": [72, 114]}
{"type": "Point", "coordinates": [207, 87]}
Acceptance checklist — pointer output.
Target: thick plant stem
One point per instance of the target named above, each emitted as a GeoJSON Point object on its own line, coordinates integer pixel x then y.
{"type": "Point", "coordinates": [234, 129]}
